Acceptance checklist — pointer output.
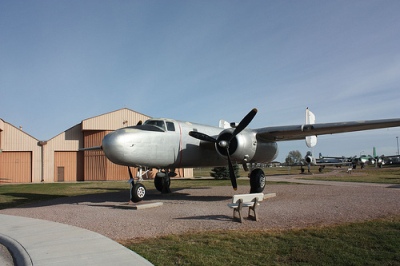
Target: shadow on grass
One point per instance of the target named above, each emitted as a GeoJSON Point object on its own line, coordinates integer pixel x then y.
{"type": "Point", "coordinates": [116, 198]}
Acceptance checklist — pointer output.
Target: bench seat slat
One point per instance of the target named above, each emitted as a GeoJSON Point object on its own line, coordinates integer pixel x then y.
{"type": "Point", "coordinates": [246, 200]}
{"type": "Point", "coordinates": [248, 197]}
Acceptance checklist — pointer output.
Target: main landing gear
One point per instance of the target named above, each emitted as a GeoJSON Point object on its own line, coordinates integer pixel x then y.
{"type": "Point", "coordinates": [162, 182]}
{"type": "Point", "coordinates": [257, 181]}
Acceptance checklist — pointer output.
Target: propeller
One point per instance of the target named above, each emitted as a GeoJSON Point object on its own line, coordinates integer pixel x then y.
{"type": "Point", "coordinates": [226, 143]}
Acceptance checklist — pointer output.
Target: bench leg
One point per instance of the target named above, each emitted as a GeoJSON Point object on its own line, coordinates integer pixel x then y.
{"type": "Point", "coordinates": [238, 210]}
{"type": "Point", "coordinates": [254, 209]}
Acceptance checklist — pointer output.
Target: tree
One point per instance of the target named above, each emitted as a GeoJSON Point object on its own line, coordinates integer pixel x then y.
{"type": "Point", "coordinates": [223, 172]}
{"type": "Point", "coordinates": [294, 157]}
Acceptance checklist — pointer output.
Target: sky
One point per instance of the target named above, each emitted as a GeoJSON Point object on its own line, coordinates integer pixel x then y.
{"type": "Point", "coordinates": [201, 61]}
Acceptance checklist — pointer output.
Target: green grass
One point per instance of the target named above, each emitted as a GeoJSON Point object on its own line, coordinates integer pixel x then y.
{"type": "Point", "coordinates": [371, 174]}
{"type": "Point", "coordinates": [205, 172]}
{"type": "Point", "coordinates": [12, 195]}
{"type": "Point", "coordinates": [366, 243]}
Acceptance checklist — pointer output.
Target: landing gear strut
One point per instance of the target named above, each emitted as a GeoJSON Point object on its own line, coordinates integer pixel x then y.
{"type": "Point", "coordinates": [137, 191]}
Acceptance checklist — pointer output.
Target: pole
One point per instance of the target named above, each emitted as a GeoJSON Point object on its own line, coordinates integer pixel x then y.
{"type": "Point", "coordinates": [397, 145]}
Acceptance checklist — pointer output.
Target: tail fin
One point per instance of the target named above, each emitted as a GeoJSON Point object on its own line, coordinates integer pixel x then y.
{"type": "Point", "coordinates": [311, 141]}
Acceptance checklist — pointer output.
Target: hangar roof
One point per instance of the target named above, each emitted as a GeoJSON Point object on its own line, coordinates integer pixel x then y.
{"type": "Point", "coordinates": [113, 120]}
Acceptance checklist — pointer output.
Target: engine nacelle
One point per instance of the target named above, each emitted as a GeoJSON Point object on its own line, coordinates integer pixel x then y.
{"type": "Point", "coordinates": [242, 147]}
{"type": "Point", "coordinates": [309, 158]}
{"type": "Point", "coordinates": [245, 148]}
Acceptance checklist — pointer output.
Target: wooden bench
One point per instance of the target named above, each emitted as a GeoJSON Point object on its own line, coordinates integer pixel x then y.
{"type": "Point", "coordinates": [252, 201]}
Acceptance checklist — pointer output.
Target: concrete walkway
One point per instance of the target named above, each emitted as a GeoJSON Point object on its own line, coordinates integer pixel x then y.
{"type": "Point", "coordinates": [299, 180]}
{"type": "Point", "coordinates": [39, 242]}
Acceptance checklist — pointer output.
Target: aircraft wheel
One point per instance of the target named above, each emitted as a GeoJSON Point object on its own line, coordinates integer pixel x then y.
{"type": "Point", "coordinates": [158, 183]}
{"type": "Point", "coordinates": [320, 169]}
{"type": "Point", "coordinates": [166, 183]}
{"type": "Point", "coordinates": [138, 191]}
{"type": "Point", "coordinates": [162, 181]}
{"type": "Point", "coordinates": [257, 181]}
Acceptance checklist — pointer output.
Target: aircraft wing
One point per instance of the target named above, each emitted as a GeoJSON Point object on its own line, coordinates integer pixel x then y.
{"type": "Point", "coordinates": [297, 132]}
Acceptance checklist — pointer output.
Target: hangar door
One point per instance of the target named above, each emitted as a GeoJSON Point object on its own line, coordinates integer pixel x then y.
{"type": "Point", "coordinates": [16, 167]}
{"type": "Point", "coordinates": [68, 166]}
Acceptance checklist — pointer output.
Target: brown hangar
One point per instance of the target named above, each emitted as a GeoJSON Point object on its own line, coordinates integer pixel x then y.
{"type": "Point", "coordinates": [25, 159]}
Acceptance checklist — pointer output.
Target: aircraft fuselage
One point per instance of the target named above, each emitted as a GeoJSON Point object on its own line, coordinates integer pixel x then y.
{"type": "Point", "coordinates": [166, 143]}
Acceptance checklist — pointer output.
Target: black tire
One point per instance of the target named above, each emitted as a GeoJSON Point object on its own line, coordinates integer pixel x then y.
{"type": "Point", "coordinates": [162, 182]}
{"type": "Point", "coordinates": [158, 183]}
{"type": "Point", "coordinates": [138, 191]}
{"type": "Point", "coordinates": [257, 181]}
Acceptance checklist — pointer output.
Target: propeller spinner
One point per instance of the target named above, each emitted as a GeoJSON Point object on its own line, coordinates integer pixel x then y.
{"type": "Point", "coordinates": [224, 144]}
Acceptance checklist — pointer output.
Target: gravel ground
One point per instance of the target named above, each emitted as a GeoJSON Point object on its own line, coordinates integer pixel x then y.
{"type": "Point", "coordinates": [201, 209]}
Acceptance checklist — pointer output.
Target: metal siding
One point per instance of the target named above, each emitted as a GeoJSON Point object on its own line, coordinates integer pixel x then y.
{"type": "Point", "coordinates": [118, 172]}
{"type": "Point", "coordinates": [95, 162]}
{"type": "Point", "coordinates": [69, 140]}
{"type": "Point", "coordinates": [114, 120]}
{"type": "Point", "coordinates": [15, 140]}
{"type": "Point", "coordinates": [184, 172]}
{"type": "Point", "coordinates": [63, 149]}
{"type": "Point", "coordinates": [15, 167]}
{"type": "Point", "coordinates": [93, 138]}
{"type": "Point", "coordinates": [94, 166]}
{"type": "Point", "coordinates": [188, 172]}
{"type": "Point", "coordinates": [1, 129]}
{"type": "Point", "coordinates": [69, 160]}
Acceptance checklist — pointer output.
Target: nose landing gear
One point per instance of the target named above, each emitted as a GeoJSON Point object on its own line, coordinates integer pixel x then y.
{"type": "Point", "coordinates": [137, 191]}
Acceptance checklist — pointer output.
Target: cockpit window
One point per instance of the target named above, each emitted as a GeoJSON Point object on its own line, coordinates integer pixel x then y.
{"type": "Point", "coordinates": [157, 123]}
{"type": "Point", "coordinates": [170, 126]}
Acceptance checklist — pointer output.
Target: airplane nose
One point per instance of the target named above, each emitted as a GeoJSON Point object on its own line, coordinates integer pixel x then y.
{"type": "Point", "coordinates": [113, 147]}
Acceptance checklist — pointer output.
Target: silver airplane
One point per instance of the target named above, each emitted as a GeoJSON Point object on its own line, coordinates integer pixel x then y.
{"type": "Point", "coordinates": [323, 161]}
{"type": "Point", "coordinates": [167, 144]}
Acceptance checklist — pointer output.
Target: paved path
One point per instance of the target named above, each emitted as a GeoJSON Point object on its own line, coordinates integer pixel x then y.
{"type": "Point", "coordinates": [39, 242]}
{"type": "Point", "coordinates": [299, 180]}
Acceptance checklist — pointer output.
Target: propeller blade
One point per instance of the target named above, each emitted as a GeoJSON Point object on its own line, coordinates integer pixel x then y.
{"type": "Point", "coordinates": [202, 136]}
{"type": "Point", "coordinates": [244, 123]}
{"type": "Point", "coordinates": [231, 172]}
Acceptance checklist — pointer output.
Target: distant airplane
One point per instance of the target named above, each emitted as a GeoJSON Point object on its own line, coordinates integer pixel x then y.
{"type": "Point", "coordinates": [323, 161]}
{"type": "Point", "coordinates": [368, 160]}
{"type": "Point", "coordinates": [386, 160]}
{"type": "Point", "coordinates": [167, 144]}
{"type": "Point", "coordinates": [390, 160]}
